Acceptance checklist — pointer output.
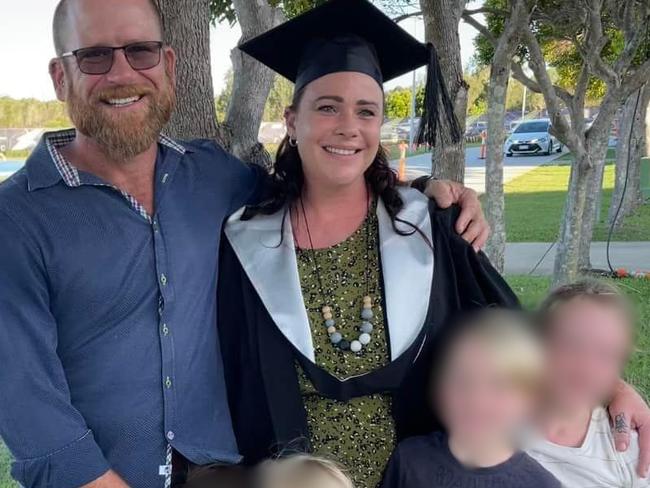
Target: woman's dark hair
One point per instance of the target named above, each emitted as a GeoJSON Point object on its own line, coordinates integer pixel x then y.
{"type": "Point", "coordinates": [287, 181]}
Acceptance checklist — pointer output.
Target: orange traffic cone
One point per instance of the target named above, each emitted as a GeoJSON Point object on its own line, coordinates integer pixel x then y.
{"type": "Point", "coordinates": [401, 174]}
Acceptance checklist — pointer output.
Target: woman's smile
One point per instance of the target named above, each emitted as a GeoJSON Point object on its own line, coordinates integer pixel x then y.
{"type": "Point", "coordinates": [339, 151]}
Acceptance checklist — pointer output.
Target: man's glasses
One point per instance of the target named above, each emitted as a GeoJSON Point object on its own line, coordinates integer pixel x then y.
{"type": "Point", "coordinates": [99, 60]}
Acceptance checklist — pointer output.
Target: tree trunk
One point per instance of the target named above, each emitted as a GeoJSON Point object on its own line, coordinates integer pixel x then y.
{"type": "Point", "coordinates": [568, 249]}
{"type": "Point", "coordinates": [494, 198]}
{"type": "Point", "coordinates": [595, 142]}
{"type": "Point", "coordinates": [497, 92]}
{"type": "Point", "coordinates": [252, 83]}
{"type": "Point", "coordinates": [597, 150]}
{"type": "Point", "coordinates": [629, 173]}
{"type": "Point", "coordinates": [186, 26]}
{"type": "Point", "coordinates": [441, 18]}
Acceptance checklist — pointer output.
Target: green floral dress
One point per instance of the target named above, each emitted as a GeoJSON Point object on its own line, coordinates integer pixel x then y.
{"type": "Point", "coordinates": [360, 433]}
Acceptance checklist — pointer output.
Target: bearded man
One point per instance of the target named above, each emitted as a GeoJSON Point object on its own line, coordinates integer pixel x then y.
{"type": "Point", "coordinates": [110, 237]}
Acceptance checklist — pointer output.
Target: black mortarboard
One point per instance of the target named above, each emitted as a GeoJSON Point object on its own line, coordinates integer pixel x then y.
{"type": "Point", "coordinates": [354, 35]}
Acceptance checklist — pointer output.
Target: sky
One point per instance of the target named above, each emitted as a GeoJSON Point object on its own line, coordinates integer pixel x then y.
{"type": "Point", "coordinates": [26, 48]}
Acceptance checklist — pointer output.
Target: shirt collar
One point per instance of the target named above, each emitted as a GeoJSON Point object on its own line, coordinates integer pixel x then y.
{"type": "Point", "coordinates": [46, 166]}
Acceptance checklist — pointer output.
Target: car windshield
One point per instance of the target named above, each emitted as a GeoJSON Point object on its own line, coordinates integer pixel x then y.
{"type": "Point", "coordinates": [528, 127]}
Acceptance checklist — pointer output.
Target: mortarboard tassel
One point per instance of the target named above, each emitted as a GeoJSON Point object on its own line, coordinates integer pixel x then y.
{"type": "Point", "coordinates": [435, 94]}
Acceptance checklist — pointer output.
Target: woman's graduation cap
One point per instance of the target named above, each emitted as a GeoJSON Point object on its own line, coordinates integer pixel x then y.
{"type": "Point", "coordinates": [354, 35]}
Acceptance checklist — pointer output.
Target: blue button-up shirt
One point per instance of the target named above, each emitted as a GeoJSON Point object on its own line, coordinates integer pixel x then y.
{"type": "Point", "coordinates": [108, 345]}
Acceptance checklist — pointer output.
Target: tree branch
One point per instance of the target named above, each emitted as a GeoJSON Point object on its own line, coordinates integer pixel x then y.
{"type": "Point", "coordinates": [595, 41]}
{"type": "Point", "coordinates": [580, 94]}
{"type": "Point", "coordinates": [635, 80]}
{"type": "Point", "coordinates": [485, 10]}
{"type": "Point", "coordinates": [519, 75]}
{"type": "Point", "coordinates": [634, 34]}
{"type": "Point", "coordinates": [403, 17]}
{"type": "Point", "coordinates": [517, 70]}
{"type": "Point", "coordinates": [538, 65]}
{"type": "Point", "coordinates": [480, 28]}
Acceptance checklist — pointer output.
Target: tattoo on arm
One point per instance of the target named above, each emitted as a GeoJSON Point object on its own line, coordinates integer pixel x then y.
{"type": "Point", "coordinates": [620, 424]}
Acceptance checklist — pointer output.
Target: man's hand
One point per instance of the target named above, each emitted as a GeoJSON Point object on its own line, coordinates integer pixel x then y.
{"type": "Point", "coordinates": [471, 224]}
{"type": "Point", "coordinates": [110, 480]}
{"type": "Point", "coordinates": [628, 411]}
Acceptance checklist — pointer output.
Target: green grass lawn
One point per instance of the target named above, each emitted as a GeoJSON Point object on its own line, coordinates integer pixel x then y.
{"type": "Point", "coordinates": [5, 460]}
{"type": "Point", "coordinates": [534, 203]}
{"type": "Point", "coordinates": [568, 157]}
{"type": "Point", "coordinates": [530, 290]}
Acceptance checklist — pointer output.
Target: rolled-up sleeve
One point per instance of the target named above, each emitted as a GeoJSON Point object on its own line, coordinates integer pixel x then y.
{"type": "Point", "coordinates": [48, 437]}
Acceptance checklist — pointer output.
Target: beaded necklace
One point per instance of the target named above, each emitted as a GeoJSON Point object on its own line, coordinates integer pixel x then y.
{"type": "Point", "coordinates": [366, 327]}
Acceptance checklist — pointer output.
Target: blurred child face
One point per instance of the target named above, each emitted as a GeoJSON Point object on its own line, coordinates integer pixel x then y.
{"type": "Point", "coordinates": [587, 349]}
{"type": "Point", "coordinates": [304, 475]}
{"type": "Point", "coordinates": [479, 401]}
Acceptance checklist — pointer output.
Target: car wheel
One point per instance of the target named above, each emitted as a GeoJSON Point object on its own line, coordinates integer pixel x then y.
{"type": "Point", "coordinates": [508, 155]}
{"type": "Point", "coordinates": [549, 149]}
{"type": "Point", "coordinates": [559, 149]}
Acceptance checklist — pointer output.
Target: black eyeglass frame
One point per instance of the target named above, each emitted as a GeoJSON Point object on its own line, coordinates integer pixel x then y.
{"type": "Point", "coordinates": [158, 44]}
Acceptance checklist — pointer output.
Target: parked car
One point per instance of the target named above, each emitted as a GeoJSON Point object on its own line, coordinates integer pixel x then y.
{"type": "Point", "coordinates": [404, 128]}
{"type": "Point", "coordinates": [475, 129]}
{"type": "Point", "coordinates": [532, 137]}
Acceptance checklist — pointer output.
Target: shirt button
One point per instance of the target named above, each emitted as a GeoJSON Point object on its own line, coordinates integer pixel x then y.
{"type": "Point", "coordinates": [170, 435]}
{"type": "Point", "coordinates": [168, 382]}
{"type": "Point", "coordinates": [155, 226]}
{"type": "Point", "coordinates": [163, 279]}
{"type": "Point", "coordinates": [165, 329]}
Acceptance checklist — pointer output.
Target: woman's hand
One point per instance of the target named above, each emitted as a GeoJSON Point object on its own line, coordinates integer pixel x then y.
{"type": "Point", "coordinates": [471, 224]}
{"type": "Point", "coordinates": [628, 410]}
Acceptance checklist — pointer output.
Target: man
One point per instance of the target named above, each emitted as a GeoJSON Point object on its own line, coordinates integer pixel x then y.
{"type": "Point", "coordinates": [110, 238]}
{"type": "Point", "coordinates": [110, 242]}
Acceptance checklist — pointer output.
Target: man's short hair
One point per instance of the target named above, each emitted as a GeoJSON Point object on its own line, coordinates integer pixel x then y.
{"type": "Point", "coordinates": [61, 16]}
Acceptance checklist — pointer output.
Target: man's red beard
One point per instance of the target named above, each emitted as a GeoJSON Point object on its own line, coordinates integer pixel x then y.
{"type": "Point", "coordinates": [123, 134]}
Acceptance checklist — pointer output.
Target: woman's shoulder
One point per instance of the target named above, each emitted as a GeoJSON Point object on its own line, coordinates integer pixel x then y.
{"type": "Point", "coordinates": [244, 217]}
{"type": "Point", "coordinates": [410, 195]}
{"type": "Point", "coordinates": [416, 202]}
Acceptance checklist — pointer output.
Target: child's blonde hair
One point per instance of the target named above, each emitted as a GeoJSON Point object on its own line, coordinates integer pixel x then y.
{"type": "Point", "coordinates": [509, 338]}
{"type": "Point", "coordinates": [594, 290]}
{"type": "Point", "coordinates": [301, 471]}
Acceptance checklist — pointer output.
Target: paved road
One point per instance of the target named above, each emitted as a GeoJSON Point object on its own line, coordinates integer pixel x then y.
{"type": "Point", "coordinates": [521, 257]}
{"type": "Point", "coordinates": [475, 167]}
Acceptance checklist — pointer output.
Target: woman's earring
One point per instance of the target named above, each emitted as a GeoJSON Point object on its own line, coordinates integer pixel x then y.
{"type": "Point", "coordinates": [293, 142]}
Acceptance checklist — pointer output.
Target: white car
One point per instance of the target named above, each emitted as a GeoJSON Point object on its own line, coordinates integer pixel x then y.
{"type": "Point", "coordinates": [532, 137]}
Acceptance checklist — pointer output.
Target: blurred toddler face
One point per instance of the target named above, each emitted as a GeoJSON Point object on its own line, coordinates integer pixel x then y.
{"type": "Point", "coordinates": [479, 399]}
{"type": "Point", "coordinates": [588, 344]}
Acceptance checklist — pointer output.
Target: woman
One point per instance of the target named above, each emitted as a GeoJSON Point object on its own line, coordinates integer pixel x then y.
{"type": "Point", "coordinates": [588, 332]}
{"type": "Point", "coordinates": [334, 289]}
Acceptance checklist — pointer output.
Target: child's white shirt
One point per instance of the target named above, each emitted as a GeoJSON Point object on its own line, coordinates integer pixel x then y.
{"type": "Point", "coordinates": [596, 463]}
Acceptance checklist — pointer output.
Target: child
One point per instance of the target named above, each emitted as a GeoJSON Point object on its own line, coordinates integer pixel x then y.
{"type": "Point", "coordinates": [301, 471]}
{"type": "Point", "coordinates": [486, 386]}
{"type": "Point", "coordinates": [588, 333]}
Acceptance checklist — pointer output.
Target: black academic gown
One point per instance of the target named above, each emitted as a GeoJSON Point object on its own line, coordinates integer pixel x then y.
{"type": "Point", "coordinates": [265, 332]}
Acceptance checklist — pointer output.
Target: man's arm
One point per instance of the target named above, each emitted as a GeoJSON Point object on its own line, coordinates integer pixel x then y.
{"type": "Point", "coordinates": [250, 181]}
{"type": "Point", "coordinates": [48, 437]}
{"type": "Point", "coordinates": [471, 224]}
